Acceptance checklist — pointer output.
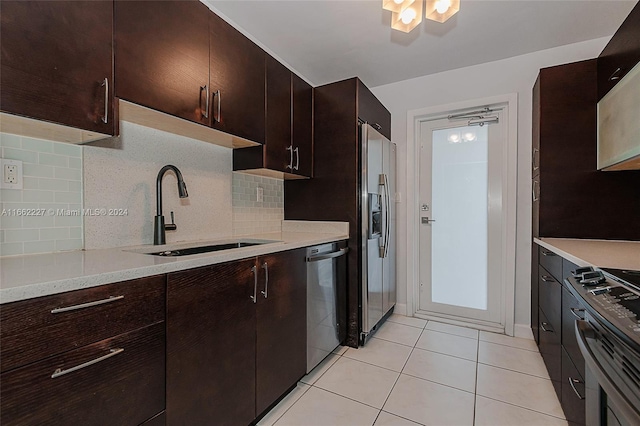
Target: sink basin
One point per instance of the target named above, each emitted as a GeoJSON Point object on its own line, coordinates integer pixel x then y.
{"type": "Point", "coordinates": [203, 249]}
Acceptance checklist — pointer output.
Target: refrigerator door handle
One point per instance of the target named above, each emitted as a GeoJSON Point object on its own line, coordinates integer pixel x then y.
{"type": "Point", "coordinates": [387, 215]}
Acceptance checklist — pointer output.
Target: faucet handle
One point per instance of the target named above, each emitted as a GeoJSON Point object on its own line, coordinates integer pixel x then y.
{"type": "Point", "coordinates": [171, 226]}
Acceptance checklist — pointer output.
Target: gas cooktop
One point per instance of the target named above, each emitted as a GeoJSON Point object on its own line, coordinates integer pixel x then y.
{"type": "Point", "coordinates": [615, 298]}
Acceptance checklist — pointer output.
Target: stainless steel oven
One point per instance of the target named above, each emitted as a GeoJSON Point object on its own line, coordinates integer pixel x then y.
{"type": "Point", "coordinates": [609, 340]}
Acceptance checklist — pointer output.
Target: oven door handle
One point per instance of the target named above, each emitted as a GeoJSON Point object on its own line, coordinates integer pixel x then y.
{"type": "Point", "coordinates": [584, 331]}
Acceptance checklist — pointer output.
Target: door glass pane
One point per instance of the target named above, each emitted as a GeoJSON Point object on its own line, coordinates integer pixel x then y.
{"type": "Point", "coordinates": [459, 206]}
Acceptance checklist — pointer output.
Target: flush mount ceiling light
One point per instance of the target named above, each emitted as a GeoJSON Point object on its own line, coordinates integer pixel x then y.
{"type": "Point", "coordinates": [407, 14]}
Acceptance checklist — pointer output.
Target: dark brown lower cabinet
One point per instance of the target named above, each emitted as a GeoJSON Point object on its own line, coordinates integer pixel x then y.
{"type": "Point", "coordinates": [281, 352]}
{"type": "Point", "coordinates": [573, 391]}
{"type": "Point", "coordinates": [228, 358]}
{"type": "Point", "coordinates": [550, 349]}
{"type": "Point", "coordinates": [557, 311]}
{"type": "Point", "coordinates": [126, 387]}
{"type": "Point", "coordinates": [211, 345]}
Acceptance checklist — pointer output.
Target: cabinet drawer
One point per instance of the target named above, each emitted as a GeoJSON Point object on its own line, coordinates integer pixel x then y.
{"type": "Point", "coordinates": [573, 391]}
{"type": "Point", "coordinates": [550, 349]}
{"type": "Point", "coordinates": [124, 389]}
{"type": "Point", "coordinates": [549, 296]}
{"type": "Point", "coordinates": [551, 262]}
{"type": "Point", "coordinates": [571, 310]}
{"type": "Point", "coordinates": [33, 329]}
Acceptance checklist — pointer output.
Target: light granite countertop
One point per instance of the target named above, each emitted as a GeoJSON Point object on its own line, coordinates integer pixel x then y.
{"type": "Point", "coordinates": [30, 276]}
{"type": "Point", "coordinates": [597, 253]}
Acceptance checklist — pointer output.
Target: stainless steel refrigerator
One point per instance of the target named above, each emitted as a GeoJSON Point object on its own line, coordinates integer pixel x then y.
{"type": "Point", "coordinates": [377, 229]}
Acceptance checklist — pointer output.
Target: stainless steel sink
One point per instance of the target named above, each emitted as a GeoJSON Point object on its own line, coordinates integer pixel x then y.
{"type": "Point", "coordinates": [208, 248]}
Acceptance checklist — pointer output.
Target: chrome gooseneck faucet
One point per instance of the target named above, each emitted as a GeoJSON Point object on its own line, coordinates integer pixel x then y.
{"type": "Point", "coordinates": [158, 224]}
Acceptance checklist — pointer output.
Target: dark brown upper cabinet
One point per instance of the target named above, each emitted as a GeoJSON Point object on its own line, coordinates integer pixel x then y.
{"type": "Point", "coordinates": [237, 77]}
{"type": "Point", "coordinates": [564, 132]}
{"type": "Point", "coordinates": [278, 152]}
{"type": "Point", "coordinates": [371, 110]}
{"type": "Point", "coordinates": [302, 139]}
{"type": "Point", "coordinates": [162, 56]}
{"type": "Point", "coordinates": [56, 62]}
{"type": "Point", "coordinates": [621, 54]}
{"type": "Point", "coordinates": [288, 148]}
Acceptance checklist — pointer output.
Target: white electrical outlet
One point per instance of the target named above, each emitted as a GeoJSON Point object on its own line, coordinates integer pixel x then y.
{"type": "Point", "coordinates": [259, 194]}
{"type": "Point", "coordinates": [11, 174]}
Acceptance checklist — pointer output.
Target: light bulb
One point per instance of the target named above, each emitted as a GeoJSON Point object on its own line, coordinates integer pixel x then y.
{"type": "Point", "coordinates": [454, 138]}
{"type": "Point", "coordinates": [398, 1]}
{"type": "Point", "coordinates": [407, 15]}
{"type": "Point", "coordinates": [442, 6]}
{"type": "Point", "coordinates": [469, 136]}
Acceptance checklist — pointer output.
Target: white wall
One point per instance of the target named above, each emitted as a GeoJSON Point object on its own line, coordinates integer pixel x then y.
{"type": "Point", "coordinates": [513, 75]}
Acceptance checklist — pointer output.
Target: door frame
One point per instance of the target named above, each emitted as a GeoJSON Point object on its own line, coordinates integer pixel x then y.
{"type": "Point", "coordinates": [509, 180]}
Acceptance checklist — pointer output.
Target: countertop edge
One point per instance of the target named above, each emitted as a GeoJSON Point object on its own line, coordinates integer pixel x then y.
{"type": "Point", "coordinates": [56, 286]}
{"type": "Point", "coordinates": [582, 252]}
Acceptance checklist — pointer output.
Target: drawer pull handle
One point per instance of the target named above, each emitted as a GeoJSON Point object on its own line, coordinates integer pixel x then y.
{"type": "Point", "coordinates": [112, 352]}
{"type": "Point", "coordinates": [572, 382]}
{"type": "Point", "coordinates": [575, 311]}
{"type": "Point", "coordinates": [86, 305]}
{"type": "Point", "coordinates": [547, 278]}
{"type": "Point", "coordinates": [547, 253]}
{"type": "Point", "coordinates": [542, 326]}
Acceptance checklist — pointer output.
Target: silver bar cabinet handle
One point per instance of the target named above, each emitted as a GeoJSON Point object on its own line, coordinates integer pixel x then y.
{"type": "Point", "coordinates": [266, 279]}
{"type": "Point", "coordinates": [290, 149]}
{"type": "Point", "coordinates": [572, 382]}
{"type": "Point", "coordinates": [533, 158]}
{"type": "Point", "coordinates": [112, 352]}
{"type": "Point", "coordinates": [254, 298]}
{"type": "Point", "coordinates": [217, 94]}
{"type": "Point", "coordinates": [542, 326]}
{"type": "Point", "coordinates": [86, 305]}
{"type": "Point", "coordinates": [206, 104]}
{"type": "Point", "coordinates": [575, 314]}
{"type": "Point", "coordinates": [105, 84]}
{"type": "Point", "coordinates": [547, 253]}
{"type": "Point", "coordinates": [547, 279]}
{"type": "Point", "coordinates": [297, 158]}
{"type": "Point", "coordinates": [319, 257]}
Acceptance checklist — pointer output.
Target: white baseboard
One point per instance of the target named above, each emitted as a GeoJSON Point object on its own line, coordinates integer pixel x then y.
{"type": "Point", "coordinates": [400, 309]}
{"type": "Point", "coordinates": [523, 331]}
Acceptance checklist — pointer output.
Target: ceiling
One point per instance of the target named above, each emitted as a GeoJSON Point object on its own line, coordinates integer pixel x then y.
{"type": "Point", "coordinates": [331, 40]}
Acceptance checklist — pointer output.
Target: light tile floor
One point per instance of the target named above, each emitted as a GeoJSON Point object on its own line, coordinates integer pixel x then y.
{"type": "Point", "coordinates": [418, 372]}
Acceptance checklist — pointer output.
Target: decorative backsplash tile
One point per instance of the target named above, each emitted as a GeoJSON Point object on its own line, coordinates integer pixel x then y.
{"type": "Point", "coordinates": [46, 215]}
{"type": "Point", "coordinates": [256, 217]}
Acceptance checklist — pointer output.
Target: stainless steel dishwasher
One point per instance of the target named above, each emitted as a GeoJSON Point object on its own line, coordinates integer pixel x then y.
{"type": "Point", "coordinates": [326, 300]}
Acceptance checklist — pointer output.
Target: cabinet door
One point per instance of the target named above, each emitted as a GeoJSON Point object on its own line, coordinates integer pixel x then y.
{"type": "Point", "coordinates": [534, 292]}
{"type": "Point", "coordinates": [237, 75]}
{"type": "Point", "coordinates": [162, 56]}
{"type": "Point", "coordinates": [56, 57]}
{"type": "Point", "coordinates": [302, 126]}
{"type": "Point", "coordinates": [371, 110]}
{"type": "Point", "coordinates": [278, 137]}
{"type": "Point", "coordinates": [211, 345]}
{"type": "Point", "coordinates": [621, 54]}
{"type": "Point", "coordinates": [281, 354]}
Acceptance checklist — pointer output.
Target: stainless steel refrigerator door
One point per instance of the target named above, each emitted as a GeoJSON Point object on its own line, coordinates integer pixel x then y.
{"type": "Point", "coordinates": [389, 261]}
{"type": "Point", "coordinates": [372, 147]}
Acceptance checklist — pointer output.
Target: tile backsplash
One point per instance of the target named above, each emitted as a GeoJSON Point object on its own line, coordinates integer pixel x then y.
{"type": "Point", "coordinates": [254, 217]}
{"type": "Point", "coordinates": [121, 174]}
{"type": "Point", "coordinates": [67, 180]}
{"type": "Point", "coordinates": [52, 193]}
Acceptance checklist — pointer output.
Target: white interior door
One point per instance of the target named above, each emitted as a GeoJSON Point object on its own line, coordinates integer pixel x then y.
{"type": "Point", "coordinates": [460, 219]}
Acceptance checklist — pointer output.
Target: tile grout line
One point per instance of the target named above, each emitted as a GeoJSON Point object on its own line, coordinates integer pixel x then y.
{"type": "Point", "coordinates": [291, 406]}
{"type": "Point", "coordinates": [400, 375]}
{"type": "Point", "coordinates": [514, 371]}
{"type": "Point", "coordinates": [524, 408]}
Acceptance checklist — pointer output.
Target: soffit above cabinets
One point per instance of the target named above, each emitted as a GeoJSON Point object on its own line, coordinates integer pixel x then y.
{"type": "Point", "coordinates": [327, 41]}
